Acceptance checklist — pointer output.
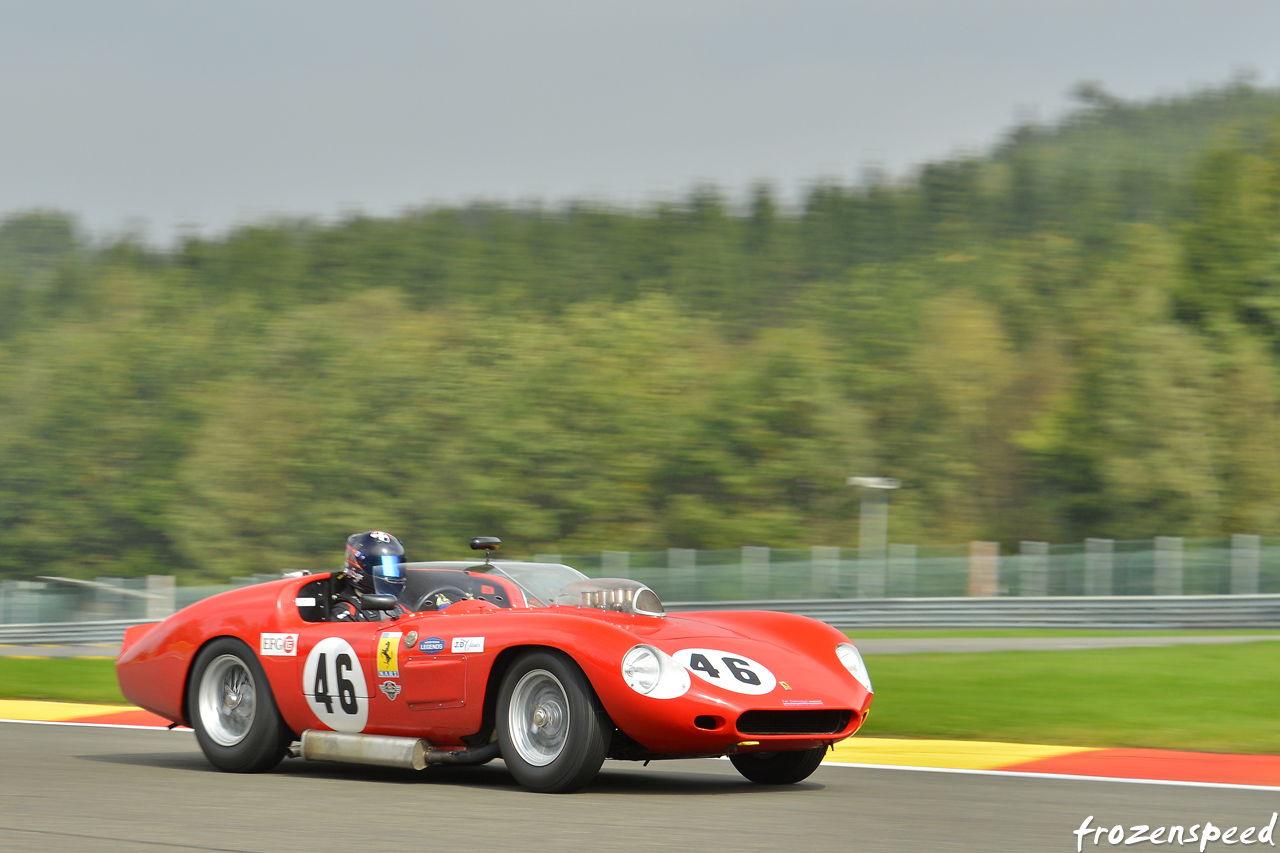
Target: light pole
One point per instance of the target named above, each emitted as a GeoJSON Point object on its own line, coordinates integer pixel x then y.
{"type": "Point", "coordinates": [873, 530]}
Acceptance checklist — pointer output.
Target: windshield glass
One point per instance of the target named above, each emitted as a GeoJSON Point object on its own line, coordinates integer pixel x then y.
{"type": "Point", "coordinates": [541, 582]}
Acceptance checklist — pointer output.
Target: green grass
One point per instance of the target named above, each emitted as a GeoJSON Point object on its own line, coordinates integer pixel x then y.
{"type": "Point", "coordinates": [68, 679]}
{"type": "Point", "coordinates": [1213, 698]}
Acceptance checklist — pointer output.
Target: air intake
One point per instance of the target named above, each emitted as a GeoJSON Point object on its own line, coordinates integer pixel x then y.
{"type": "Point", "coordinates": [827, 721]}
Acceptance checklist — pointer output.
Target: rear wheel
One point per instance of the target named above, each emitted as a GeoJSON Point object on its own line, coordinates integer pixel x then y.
{"type": "Point", "coordinates": [553, 733]}
{"type": "Point", "coordinates": [231, 708]}
{"type": "Point", "coordinates": [778, 768]}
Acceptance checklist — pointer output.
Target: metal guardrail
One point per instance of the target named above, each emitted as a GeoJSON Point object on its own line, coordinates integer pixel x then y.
{"type": "Point", "coordinates": [110, 632]}
{"type": "Point", "coordinates": [1127, 612]}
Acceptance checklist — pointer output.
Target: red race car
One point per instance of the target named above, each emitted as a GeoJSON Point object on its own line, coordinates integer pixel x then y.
{"type": "Point", "coordinates": [531, 662]}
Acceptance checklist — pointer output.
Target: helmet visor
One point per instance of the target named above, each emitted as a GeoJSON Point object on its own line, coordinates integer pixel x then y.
{"type": "Point", "coordinates": [388, 575]}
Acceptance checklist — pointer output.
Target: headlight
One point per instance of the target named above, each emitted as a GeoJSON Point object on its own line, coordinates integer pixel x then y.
{"type": "Point", "coordinates": [653, 672]}
{"type": "Point", "coordinates": [641, 668]}
{"type": "Point", "coordinates": [852, 661]}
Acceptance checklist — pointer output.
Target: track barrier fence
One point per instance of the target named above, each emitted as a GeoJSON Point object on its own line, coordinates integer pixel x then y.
{"type": "Point", "coordinates": [1026, 588]}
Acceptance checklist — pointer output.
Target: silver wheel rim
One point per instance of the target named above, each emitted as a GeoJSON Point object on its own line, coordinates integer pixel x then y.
{"type": "Point", "coordinates": [538, 718]}
{"type": "Point", "coordinates": [227, 700]}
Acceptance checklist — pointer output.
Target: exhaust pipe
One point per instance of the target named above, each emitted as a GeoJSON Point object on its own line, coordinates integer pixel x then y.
{"type": "Point", "coordinates": [385, 751]}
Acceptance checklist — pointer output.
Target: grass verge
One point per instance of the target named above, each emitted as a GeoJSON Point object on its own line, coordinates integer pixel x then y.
{"type": "Point", "coordinates": [68, 679]}
{"type": "Point", "coordinates": [1212, 698]}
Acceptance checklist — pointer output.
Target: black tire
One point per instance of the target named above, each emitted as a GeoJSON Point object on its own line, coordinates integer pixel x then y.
{"type": "Point", "coordinates": [553, 733]}
{"type": "Point", "coordinates": [230, 706]}
{"type": "Point", "coordinates": [778, 768]}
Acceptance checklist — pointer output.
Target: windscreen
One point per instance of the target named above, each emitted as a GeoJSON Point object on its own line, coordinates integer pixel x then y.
{"type": "Point", "coordinates": [541, 582]}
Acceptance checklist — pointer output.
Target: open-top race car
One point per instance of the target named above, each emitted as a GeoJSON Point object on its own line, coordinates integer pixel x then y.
{"type": "Point", "coordinates": [531, 662]}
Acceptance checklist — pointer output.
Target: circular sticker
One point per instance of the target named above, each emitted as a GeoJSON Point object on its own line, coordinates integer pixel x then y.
{"type": "Point", "coordinates": [728, 670]}
{"type": "Point", "coordinates": [334, 685]}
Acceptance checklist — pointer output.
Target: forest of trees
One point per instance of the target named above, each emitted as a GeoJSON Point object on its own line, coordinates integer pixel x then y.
{"type": "Point", "coordinates": [1076, 334]}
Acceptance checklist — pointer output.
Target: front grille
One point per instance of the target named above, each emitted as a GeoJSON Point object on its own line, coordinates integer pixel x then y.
{"type": "Point", "coordinates": [827, 721]}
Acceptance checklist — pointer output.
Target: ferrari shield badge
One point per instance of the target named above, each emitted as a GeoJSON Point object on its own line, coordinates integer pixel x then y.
{"type": "Point", "coordinates": [389, 655]}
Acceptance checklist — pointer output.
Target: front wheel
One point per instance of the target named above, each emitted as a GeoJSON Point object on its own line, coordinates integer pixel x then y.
{"type": "Point", "coordinates": [231, 708]}
{"type": "Point", "coordinates": [553, 733]}
{"type": "Point", "coordinates": [778, 768]}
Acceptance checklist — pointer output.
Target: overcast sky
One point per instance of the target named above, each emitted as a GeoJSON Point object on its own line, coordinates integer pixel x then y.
{"type": "Point", "coordinates": [163, 116]}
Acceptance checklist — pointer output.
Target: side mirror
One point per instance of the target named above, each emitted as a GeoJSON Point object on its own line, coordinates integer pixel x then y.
{"type": "Point", "coordinates": [485, 543]}
{"type": "Point", "coordinates": [373, 601]}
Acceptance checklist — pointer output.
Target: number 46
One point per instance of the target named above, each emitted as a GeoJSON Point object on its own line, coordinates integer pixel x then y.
{"type": "Point", "coordinates": [346, 689]}
{"type": "Point", "coordinates": [740, 669]}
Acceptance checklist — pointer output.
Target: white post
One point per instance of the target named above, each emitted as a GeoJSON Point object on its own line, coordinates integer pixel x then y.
{"type": "Point", "coordinates": [1099, 561]}
{"type": "Point", "coordinates": [1246, 553]}
{"type": "Point", "coordinates": [824, 571]}
{"type": "Point", "coordinates": [902, 571]}
{"type": "Point", "coordinates": [616, 564]}
{"type": "Point", "coordinates": [1168, 580]}
{"type": "Point", "coordinates": [160, 588]}
{"type": "Point", "coordinates": [873, 533]}
{"type": "Point", "coordinates": [681, 566]}
{"type": "Point", "coordinates": [755, 572]}
{"type": "Point", "coordinates": [1033, 568]}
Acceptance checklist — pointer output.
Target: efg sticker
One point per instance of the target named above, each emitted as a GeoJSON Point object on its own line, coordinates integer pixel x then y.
{"type": "Point", "coordinates": [333, 682]}
{"type": "Point", "coordinates": [468, 645]}
{"type": "Point", "coordinates": [389, 655]}
{"type": "Point", "coordinates": [431, 645]}
{"type": "Point", "coordinates": [731, 671]}
{"type": "Point", "coordinates": [278, 645]}
{"type": "Point", "coordinates": [391, 689]}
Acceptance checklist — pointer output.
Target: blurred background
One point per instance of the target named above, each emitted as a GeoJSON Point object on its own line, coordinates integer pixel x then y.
{"type": "Point", "coordinates": [632, 279]}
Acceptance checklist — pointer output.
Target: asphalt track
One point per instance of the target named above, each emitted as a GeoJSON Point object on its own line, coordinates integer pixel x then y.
{"type": "Point", "coordinates": [115, 789]}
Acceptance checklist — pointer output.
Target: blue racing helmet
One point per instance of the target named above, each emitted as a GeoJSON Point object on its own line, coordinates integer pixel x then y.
{"type": "Point", "coordinates": [375, 563]}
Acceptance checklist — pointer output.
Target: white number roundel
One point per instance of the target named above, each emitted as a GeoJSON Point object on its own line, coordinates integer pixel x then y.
{"type": "Point", "coordinates": [729, 670]}
{"type": "Point", "coordinates": [333, 682]}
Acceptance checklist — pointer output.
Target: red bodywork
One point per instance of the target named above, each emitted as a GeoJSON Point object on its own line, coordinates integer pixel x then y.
{"type": "Point", "coordinates": [445, 696]}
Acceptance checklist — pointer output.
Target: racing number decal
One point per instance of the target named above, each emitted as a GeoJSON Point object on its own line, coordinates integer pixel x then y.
{"type": "Point", "coordinates": [728, 670]}
{"type": "Point", "coordinates": [333, 682]}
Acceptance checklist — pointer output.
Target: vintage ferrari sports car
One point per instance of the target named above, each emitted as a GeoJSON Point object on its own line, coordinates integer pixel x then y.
{"type": "Point", "coordinates": [531, 662]}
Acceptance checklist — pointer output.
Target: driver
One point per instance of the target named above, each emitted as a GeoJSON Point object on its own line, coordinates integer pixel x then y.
{"type": "Point", "coordinates": [375, 564]}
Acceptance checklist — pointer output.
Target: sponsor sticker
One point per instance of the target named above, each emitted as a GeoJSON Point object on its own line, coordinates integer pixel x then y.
{"type": "Point", "coordinates": [305, 602]}
{"type": "Point", "coordinates": [279, 645]}
{"type": "Point", "coordinates": [468, 645]}
{"type": "Point", "coordinates": [379, 535]}
{"type": "Point", "coordinates": [801, 703]}
{"type": "Point", "coordinates": [410, 638]}
{"type": "Point", "coordinates": [389, 654]}
{"type": "Point", "coordinates": [487, 590]}
{"type": "Point", "coordinates": [391, 689]}
{"type": "Point", "coordinates": [431, 645]}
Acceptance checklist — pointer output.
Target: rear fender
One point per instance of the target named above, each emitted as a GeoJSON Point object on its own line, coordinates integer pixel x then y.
{"type": "Point", "coordinates": [134, 633]}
